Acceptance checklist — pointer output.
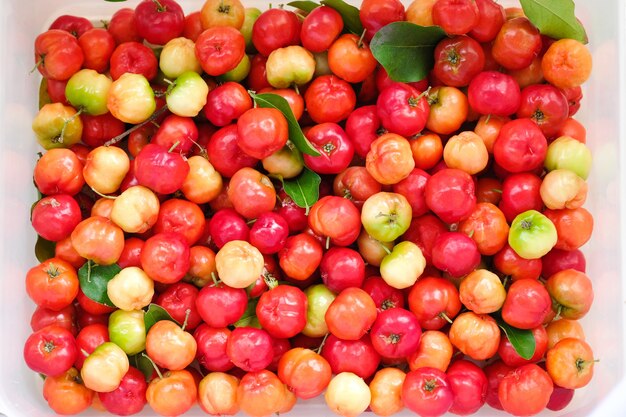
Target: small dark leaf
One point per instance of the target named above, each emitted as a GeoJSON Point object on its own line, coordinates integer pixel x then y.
{"type": "Point", "coordinates": [349, 13]}
{"type": "Point", "coordinates": [44, 97]}
{"type": "Point", "coordinates": [44, 249]}
{"type": "Point", "coordinates": [406, 50]}
{"type": "Point", "coordinates": [555, 18]}
{"type": "Point", "coordinates": [94, 279]}
{"type": "Point", "coordinates": [156, 313]}
{"type": "Point", "coordinates": [523, 341]}
{"type": "Point", "coordinates": [304, 5]}
{"type": "Point", "coordinates": [248, 319]}
{"type": "Point", "coordinates": [304, 190]}
{"type": "Point", "coordinates": [296, 136]}
{"type": "Point", "coordinates": [143, 364]}
{"type": "Point", "coordinates": [115, 1]}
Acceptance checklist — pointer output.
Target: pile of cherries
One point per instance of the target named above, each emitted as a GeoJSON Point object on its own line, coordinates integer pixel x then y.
{"type": "Point", "coordinates": [400, 245]}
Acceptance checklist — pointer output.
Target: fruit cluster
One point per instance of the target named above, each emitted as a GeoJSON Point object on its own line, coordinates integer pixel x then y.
{"type": "Point", "coordinates": [379, 204]}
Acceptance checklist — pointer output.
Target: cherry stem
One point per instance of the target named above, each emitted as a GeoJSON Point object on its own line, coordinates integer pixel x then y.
{"type": "Point", "coordinates": [174, 146]}
{"type": "Point", "coordinates": [215, 280]}
{"type": "Point", "coordinates": [121, 136]}
{"type": "Point", "coordinates": [187, 313]}
{"type": "Point", "coordinates": [296, 89]}
{"type": "Point", "coordinates": [270, 280]}
{"type": "Point", "coordinates": [424, 93]}
{"type": "Point", "coordinates": [327, 242]}
{"type": "Point", "coordinates": [67, 122]}
{"type": "Point", "coordinates": [505, 281]}
{"type": "Point", "coordinates": [160, 7]}
{"type": "Point", "coordinates": [487, 119]}
{"type": "Point", "coordinates": [110, 197]}
{"type": "Point", "coordinates": [37, 65]}
{"type": "Point", "coordinates": [444, 316]}
{"type": "Point", "coordinates": [84, 352]}
{"type": "Point", "coordinates": [359, 44]}
{"type": "Point", "coordinates": [154, 365]}
{"type": "Point", "coordinates": [319, 349]}
{"type": "Point", "coordinates": [496, 190]}
{"type": "Point", "coordinates": [558, 312]}
{"type": "Point", "coordinates": [385, 248]}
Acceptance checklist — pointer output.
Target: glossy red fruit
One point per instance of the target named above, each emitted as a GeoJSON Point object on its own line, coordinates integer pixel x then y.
{"type": "Point", "coordinates": [211, 352]}
{"type": "Point", "coordinates": [250, 349]}
{"type": "Point", "coordinates": [402, 109]}
{"type": "Point", "coordinates": [282, 311]}
{"type": "Point", "coordinates": [275, 28]}
{"type": "Point", "coordinates": [396, 333]}
{"type": "Point", "coordinates": [384, 295]}
{"type": "Point", "coordinates": [220, 305]}
{"type": "Point", "coordinates": [362, 128]}
{"type": "Point", "coordinates": [525, 391]}
{"type": "Point", "coordinates": [455, 253]}
{"type": "Point", "coordinates": [179, 300]}
{"type": "Point", "coordinates": [51, 350]}
{"type": "Point", "coordinates": [521, 146]}
{"type": "Point", "coordinates": [450, 194]}
{"type": "Point", "coordinates": [335, 149]}
{"type": "Point", "coordinates": [527, 304]}
{"type": "Point", "coordinates": [160, 170]}
{"type": "Point", "coordinates": [434, 301]}
{"type": "Point", "coordinates": [427, 392]}
{"type": "Point", "coordinates": [357, 356]}
{"type": "Point", "coordinates": [225, 154]}
{"type": "Point", "coordinates": [495, 93]}
{"type": "Point", "coordinates": [469, 385]}
{"type": "Point", "coordinates": [159, 22]}
{"type": "Point", "coordinates": [342, 268]}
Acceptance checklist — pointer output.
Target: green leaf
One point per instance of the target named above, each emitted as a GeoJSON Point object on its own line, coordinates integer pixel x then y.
{"type": "Point", "coordinates": [143, 364]}
{"type": "Point", "coordinates": [94, 279]}
{"type": "Point", "coordinates": [156, 313]}
{"type": "Point", "coordinates": [304, 5]}
{"type": "Point", "coordinates": [349, 13]}
{"type": "Point", "coordinates": [248, 319]}
{"type": "Point", "coordinates": [523, 341]}
{"type": "Point", "coordinates": [555, 18]}
{"type": "Point", "coordinates": [406, 50]}
{"type": "Point", "coordinates": [44, 249]}
{"type": "Point", "coordinates": [304, 190]}
{"type": "Point", "coordinates": [44, 97]}
{"type": "Point", "coordinates": [268, 100]}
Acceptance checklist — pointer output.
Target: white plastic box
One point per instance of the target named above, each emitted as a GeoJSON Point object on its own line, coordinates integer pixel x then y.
{"type": "Point", "coordinates": [602, 113]}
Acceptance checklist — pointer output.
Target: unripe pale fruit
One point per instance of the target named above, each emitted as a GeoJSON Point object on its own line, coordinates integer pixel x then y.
{"type": "Point", "coordinates": [239, 264]}
{"type": "Point", "coordinates": [57, 126]}
{"type": "Point", "coordinates": [136, 210]}
{"type": "Point", "coordinates": [347, 395]}
{"type": "Point", "coordinates": [104, 369]}
{"type": "Point", "coordinates": [105, 168]}
{"type": "Point", "coordinates": [568, 153]}
{"type": "Point", "coordinates": [127, 329]}
{"type": "Point", "coordinates": [188, 95]}
{"type": "Point", "coordinates": [203, 183]}
{"type": "Point", "coordinates": [131, 99]}
{"type": "Point", "coordinates": [131, 289]}
{"type": "Point", "coordinates": [88, 90]}
{"type": "Point", "coordinates": [562, 188]}
{"type": "Point", "coordinates": [386, 216]}
{"type": "Point", "coordinates": [401, 268]}
{"type": "Point", "coordinates": [179, 56]}
{"type": "Point", "coordinates": [290, 65]}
